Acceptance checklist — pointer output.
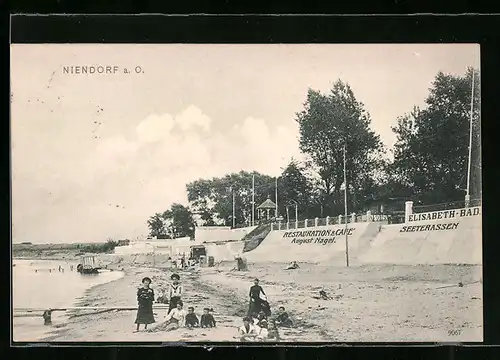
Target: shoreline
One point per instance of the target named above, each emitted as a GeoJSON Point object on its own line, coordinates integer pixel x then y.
{"type": "Point", "coordinates": [369, 303]}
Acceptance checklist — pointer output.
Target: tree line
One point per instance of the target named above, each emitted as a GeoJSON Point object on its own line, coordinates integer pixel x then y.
{"type": "Point", "coordinates": [427, 164]}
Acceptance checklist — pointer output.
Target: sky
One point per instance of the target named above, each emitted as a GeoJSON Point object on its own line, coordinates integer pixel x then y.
{"type": "Point", "coordinates": [94, 155]}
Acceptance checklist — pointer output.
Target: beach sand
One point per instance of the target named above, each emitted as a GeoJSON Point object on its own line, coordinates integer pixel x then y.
{"type": "Point", "coordinates": [369, 304]}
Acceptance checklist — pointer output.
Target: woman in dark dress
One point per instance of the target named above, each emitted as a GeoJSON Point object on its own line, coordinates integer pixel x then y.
{"type": "Point", "coordinates": [145, 299]}
{"type": "Point", "coordinates": [258, 301]}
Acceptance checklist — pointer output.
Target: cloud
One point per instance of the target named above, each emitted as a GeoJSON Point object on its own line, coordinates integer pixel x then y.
{"type": "Point", "coordinates": [193, 117]}
{"type": "Point", "coordinates": [155, 127]}
{"type": "Point", "coordinates": [143, 174]}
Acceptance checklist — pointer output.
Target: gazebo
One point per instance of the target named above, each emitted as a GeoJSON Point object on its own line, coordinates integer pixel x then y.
{"type": "Point", "coordinates": [265, 207]}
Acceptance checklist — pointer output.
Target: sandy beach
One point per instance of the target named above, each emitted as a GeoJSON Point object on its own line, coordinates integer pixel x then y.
{"type": "Point", "coordinates": [369, 304]}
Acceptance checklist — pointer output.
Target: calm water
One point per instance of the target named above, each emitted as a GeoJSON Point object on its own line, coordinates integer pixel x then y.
{"type": "Point", "coordinates": [47, 287]}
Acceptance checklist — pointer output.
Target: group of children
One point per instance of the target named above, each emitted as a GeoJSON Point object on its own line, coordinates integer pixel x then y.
{"type": "Point", "coordinates": [260, 328]}
{"type": "Point", "coordinates": [257, 326]}
{"type": "Point", "coordinates": [176, 315]}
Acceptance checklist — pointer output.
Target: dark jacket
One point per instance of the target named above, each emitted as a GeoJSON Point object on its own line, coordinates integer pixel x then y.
{"type": "Point", "coordinates": [192, 320]}
{"type": "Point", "coordinates": [207, 320]}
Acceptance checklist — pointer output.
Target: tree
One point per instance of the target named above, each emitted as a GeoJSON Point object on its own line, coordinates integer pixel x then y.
{"type": "Point", "coordinates": [179, 221]}
{"type": "Point", "coordinates": [327, 123]}
{"type": "Point", "coordinates": [431, 152]}
{"type": "Point", "coordinates": [156, 226]}
{"type": "Point", "coordinates": [295, 186]}
{"type": "Point", "coordinates": [212, 199]}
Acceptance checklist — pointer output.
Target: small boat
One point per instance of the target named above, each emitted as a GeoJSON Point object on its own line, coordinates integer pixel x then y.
{"type": "Point", "coordinates": [87, 265]}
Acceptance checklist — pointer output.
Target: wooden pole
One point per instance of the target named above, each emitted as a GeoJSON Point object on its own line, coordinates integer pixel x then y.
{"type": "Point", "coordinates": [345, 210]}
{"type": "Point", "coordinates": [234, 209]}
{"type": "Point", "coordinates": [253, 200]}
{"type": "Point", "coordinates": [467, 196]}
{"type": "Point", "coordinates": [276, 198]}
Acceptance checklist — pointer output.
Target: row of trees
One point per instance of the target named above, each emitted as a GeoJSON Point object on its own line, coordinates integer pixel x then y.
{"type": "Point", "coordinates": [428, 164]}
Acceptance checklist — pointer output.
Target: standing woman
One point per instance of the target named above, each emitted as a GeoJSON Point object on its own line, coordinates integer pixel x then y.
{"type": "Point", "coordinates": [258, 300]}
{"type": "Point", "coordinates": [174, 292]}
{"type": "Point", "coordinates": [145, 299]}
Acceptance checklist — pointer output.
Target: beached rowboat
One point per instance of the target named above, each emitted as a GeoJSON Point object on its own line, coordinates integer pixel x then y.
{"type": "Point", "coordinates": [87, 265]}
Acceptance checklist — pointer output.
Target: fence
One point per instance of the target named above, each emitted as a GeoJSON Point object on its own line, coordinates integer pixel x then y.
{"type": "Point", "coordinates": [337, 220]}
{"type": "Point", "coordinates": [446, 206]}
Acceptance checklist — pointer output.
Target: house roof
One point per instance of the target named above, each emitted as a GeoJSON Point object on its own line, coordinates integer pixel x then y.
{"type": "Point", "coordinates": [268, 204]}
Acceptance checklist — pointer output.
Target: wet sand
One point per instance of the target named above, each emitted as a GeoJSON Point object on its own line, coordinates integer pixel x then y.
{"type": "Point", "coordinates": [369, 304]}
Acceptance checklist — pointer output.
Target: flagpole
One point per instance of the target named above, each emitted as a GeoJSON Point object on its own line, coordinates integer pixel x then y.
{"type": "Point", "coordinates": [467, 196]}
{"type": "Point", "coordinates": [345, 210]}
{"type": "Point", "coordinates": [253, 200]}
{"type": "Point", "coordinates": [234, 219]}
{"type": "Point", "coordinates": [276, 198]}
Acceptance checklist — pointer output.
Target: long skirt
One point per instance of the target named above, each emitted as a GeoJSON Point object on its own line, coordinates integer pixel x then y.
{"type": "Point", "coordinates": [254, 307]}
{"type": "Point", "coordinates": [145, 313]}
{"type": "Point", "coordinates": [168, 325]}
{"type": "Point", "coordinates": [173, 302]}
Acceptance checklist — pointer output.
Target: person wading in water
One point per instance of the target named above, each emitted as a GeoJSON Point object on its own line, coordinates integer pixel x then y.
{"type": "Point", "coordinates": [258, 300]}
{"type": "Point", "coordinates": [174, 292]}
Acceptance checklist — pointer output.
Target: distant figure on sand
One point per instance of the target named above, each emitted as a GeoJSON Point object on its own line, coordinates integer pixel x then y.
{"type": "Point", "coordinates": [174, 292]}
{"type": "Point", "coordinates": [47, 317]}
{"type": "Point", "coordinates": [283, 319]}
{"type": "Point", "coordinates": [145, 299]}
{"type": "Point", "coordinates": [207, 319]}
{"type": "Point", "coordinates": [240, 265]}
{"type": "Point", "coordinates": [191, 318]}
{"type": "Point", "coordinates": [293, 266]}
{"type": "Point", "coordinates": [248, 331]}
{"type": "Point", "coordinates": [258, 300]}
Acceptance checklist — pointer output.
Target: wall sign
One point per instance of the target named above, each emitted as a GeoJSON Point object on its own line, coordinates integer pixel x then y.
{"type": "Point", "coordinates": [322, 237]}
{"type": "Point", "coordinates": [446, 214]}
{"type": "Point", "coordinates": [433, 227]}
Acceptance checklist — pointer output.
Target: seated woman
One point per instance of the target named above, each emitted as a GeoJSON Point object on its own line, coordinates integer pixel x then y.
{"type": "Point", "coordinates": [248, 331]}
{"type": "Point", "coordinates": [175, 319]}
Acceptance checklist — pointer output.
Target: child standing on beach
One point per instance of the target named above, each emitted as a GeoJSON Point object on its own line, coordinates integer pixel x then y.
{"type": "Point", "coordinates": [145, 299]}
{"type": "Point", "coordinates": [207, 319]}
{"type": "Point", "coordinates": [174, 292]}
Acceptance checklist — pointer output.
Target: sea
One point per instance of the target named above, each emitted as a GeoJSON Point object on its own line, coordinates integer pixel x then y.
{"type": "Point", "coordinates": [45, 284]}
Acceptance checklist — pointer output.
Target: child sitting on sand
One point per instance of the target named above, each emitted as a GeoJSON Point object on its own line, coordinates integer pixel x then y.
{"type": "Point", "coordinates": [261, 316]}
{"type": "Point", "coordinates": [248, 331]}
{"type": "Point", "coordinates": [191, 318]}
{"type": "Point", "coordinates": [283, 319]}
{"type": "Point", "coordinates": [207, 320]}
{"type": "Point", "coordinates": [262, 332]}
{"type": "Point", "coordinates": [145, 299]}
{"type": "Point", "coordinates": [273, 333]}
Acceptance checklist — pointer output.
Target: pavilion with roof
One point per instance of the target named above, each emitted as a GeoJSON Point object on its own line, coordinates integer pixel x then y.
{"type": "Point", "coordinates": [265, 208]}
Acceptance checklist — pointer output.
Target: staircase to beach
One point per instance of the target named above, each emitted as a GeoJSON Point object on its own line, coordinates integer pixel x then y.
{"type": "Point", "coordinates": [256, 236]}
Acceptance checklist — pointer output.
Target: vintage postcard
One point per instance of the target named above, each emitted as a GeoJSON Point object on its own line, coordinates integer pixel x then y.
{"type": "Point", "coordinates": [246, 193]}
